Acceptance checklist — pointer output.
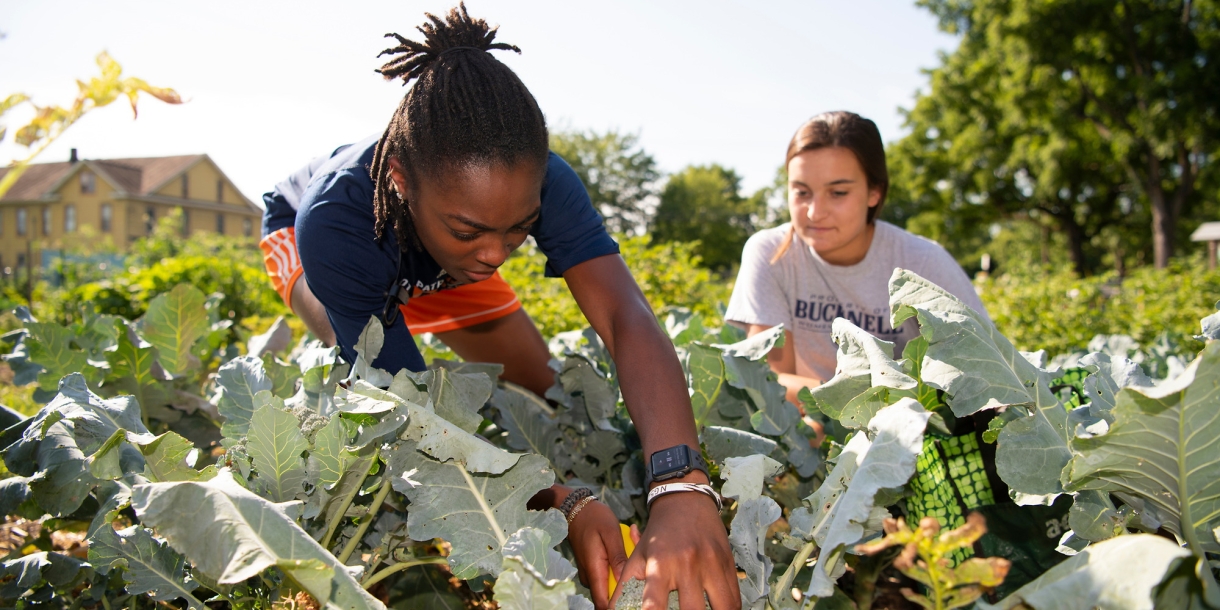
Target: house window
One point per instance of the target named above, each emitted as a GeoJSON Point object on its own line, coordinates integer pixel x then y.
{"type": "Point", "coordinates": [247, 227]}
{"type": "Point", "coordinates": [150, 219]}
{"type": "Point", "coordinates": [220, 190]}
{"type": "Point", "coordinates": [186, 222]}
{"type": "Point", "coordinates": [21, 260]}
{"type": "Point", "coordinates": [46, 220]}
{"type": "Point", "coordinates": [22, 219]}
{"type": "Point", "coordinates": [107, 217]}
{"type": "Point", "coordinates": [186, 187]}
{"type": "Point", "coordinates": [220, 223]}
{"type": "Point", "coordinates": [69, 218]}
{"type": "Point", "coordinates": [88, 183]}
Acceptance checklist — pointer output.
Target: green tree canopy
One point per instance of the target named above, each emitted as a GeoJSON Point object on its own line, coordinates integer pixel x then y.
{"type": "Point", "coordinates": [704, 203]}
{"type": "Point", "coordinates": [1096, 118]}
{"type": "Point", "coordinates": [618, 174]}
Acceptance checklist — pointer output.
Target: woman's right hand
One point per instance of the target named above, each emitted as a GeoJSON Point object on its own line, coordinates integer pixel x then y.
{"type": "Point", "coordinates": [597, 542]}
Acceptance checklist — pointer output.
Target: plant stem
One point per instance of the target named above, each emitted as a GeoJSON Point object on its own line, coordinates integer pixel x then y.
{"type": "Point", "coordinates": [347, 503]}
{"type": "Point", "coordinates": [369, 518]}
{"type": "Point", "coordinates": [398, 567]}
{"type": "Point", "coordinates": [785, 582]}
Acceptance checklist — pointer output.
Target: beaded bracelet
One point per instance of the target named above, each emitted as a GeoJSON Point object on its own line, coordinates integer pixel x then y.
{"type": "Point", "coordinates": [577, 495]}
{"type": "Point", "coordinates": [576, 510]}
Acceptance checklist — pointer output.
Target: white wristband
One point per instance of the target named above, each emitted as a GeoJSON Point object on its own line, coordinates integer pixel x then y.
{"type": "Point", "coordinates": [670, 488]}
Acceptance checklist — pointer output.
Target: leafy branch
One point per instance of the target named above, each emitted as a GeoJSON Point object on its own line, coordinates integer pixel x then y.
{"type": "Point", "coordinates": [50, 122]}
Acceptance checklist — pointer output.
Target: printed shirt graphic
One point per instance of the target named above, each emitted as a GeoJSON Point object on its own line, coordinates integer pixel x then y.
{"type": "Point", "coordinates": [806, 294]}
{"type": "Point", "coordinates": [330, 204]}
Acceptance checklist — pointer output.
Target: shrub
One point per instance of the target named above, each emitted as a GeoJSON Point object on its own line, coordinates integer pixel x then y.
{"type": "Point", "coordinates": [1060, 313]}
{"type": "Point", "coordinates": [669, 274]}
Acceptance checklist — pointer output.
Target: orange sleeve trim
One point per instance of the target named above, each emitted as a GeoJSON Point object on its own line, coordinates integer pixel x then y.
{"type": "Point", "coordinates": [283, 264]}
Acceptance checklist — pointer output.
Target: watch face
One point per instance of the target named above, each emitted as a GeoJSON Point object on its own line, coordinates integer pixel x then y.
{"type": "Point", "coordinates": [670, 461]}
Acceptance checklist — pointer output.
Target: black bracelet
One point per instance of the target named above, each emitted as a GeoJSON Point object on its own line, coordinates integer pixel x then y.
{"type": "Point", "coordinates": [580, 493]}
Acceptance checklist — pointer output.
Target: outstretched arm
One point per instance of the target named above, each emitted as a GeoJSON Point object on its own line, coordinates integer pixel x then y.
{"type": "Point", "coordinates": [783, 363]}
{"type": "Point", "coordinates": [685, 547]}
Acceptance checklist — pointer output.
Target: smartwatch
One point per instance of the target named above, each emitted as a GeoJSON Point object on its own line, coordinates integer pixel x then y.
{"type": "Point", "coordinates": [673, 463]}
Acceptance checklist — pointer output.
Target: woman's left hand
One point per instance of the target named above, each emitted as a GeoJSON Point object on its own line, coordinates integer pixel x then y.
{"type": "Point", "coordinates": [598, 544]}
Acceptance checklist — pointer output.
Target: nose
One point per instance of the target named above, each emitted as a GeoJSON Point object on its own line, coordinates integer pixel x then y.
{"type": "Point", "coordinates": [495, 252]}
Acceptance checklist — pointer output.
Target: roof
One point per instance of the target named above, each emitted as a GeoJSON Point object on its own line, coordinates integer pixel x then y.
{"type": "Point", "coordinates": [1208, 231]}
{"type": "Point", "coordinates": [138, 176]}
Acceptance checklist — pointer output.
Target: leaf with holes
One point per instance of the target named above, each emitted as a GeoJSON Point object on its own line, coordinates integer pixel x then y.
{"type": "Point", "coordinates": [476, 513]}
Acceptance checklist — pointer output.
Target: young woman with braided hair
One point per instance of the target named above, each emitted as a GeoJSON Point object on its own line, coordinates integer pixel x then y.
{"type": "Point", "coordinates": [410, 227]}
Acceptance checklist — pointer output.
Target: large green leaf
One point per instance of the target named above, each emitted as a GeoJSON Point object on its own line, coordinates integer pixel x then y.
{"type": "Point", "coordinates": [978, 368]}
{"type": "Point", "coordinates": [527, 419]}
{"type": "Point", "coordinates": [534, 576]}
{"type": "Point", "coordinates": [967, 356]}
{"type": "Point", "coordinates": [1164, 446]}
{"type": "Point", "coordinates": [276, 444]}
{"type": "Point", "coordinates": [131, 370]}
{"type": "Point", "coordinates": [30, 571]}
{"type": "Point", "coordinates": [458, 397]}
{"type": "Point", "coordinates": [722, 443]}
{"type": "Point", "coordinates": [864, 362]}
{"type": "Point", "coordinates": [368, 346]}
{"type": "Point", "coordinates": [744, 476]}
{"type": "Point", "coordinates": [239, 380]}
{"type": "Point", "coordinates": [229, 534]}
{"type": "Point", "coordinates": [174, 322]}
{"type": "Point", "coordinates": [587, 393]}
{"type": "Point", "coordinates": [705, 366]}
{"type": "Point", "coordinates": [329, 456]}
{"type": "Point", "coordinates": [839, 516]}
{"type": "Point", "coordinates": [74, 436]}
{"type": "Point", "coordinates": [748, 537]}
{"type": "Point", "coordinates": [50, 347]}
{"type": "Point", "coordinates": [438, 437]}
{"type": "Point", "coordinates": [476, 513]}
{"type": "Point", "coordinates": [165, 460]}
{"type": "Point", "coordinates": [1136, 572]}
{"type": "Point", "coordinates": [746, 370]}
{"type": "Point", "coordinates": [152, 567]}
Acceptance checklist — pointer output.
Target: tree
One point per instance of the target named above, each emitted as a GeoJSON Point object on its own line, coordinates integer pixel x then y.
{"type": "Point", "coordinates": [975, 159]}
{"type": "Point", "coordinates": [1131, 81]}
{"type": "Point", "coordinates": [619, 176]}
{"type": "Point", "coordinates": [704, 203]}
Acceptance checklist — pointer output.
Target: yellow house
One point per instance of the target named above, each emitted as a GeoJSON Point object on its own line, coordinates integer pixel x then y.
{"type": "Point", "coordinates": [119, 200]}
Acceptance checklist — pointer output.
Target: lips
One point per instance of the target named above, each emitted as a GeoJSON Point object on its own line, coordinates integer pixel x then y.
{"type": "Point", "coordinates": [478, 276]}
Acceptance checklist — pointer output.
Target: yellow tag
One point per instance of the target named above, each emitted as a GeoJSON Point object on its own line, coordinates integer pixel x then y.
{"type": "Point", "coordinates": [629, 546]}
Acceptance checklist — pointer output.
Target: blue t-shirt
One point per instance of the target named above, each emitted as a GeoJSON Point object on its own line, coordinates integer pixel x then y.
{"type": "Point", "coordinates": [330, 202]}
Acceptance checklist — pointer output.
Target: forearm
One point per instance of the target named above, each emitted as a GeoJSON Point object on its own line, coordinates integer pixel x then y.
{"type": "Point", "coordinates": [793, 384]}
{"type": "Point", "coordinates": [651, 380]}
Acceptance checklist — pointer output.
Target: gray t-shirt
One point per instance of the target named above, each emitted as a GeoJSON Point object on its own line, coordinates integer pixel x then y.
{"type": "Point", "coordinates": [805, 293]}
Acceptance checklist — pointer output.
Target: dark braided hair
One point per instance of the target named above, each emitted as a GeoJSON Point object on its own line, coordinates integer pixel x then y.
{"type": "Point", "coordinates": [465, 108]}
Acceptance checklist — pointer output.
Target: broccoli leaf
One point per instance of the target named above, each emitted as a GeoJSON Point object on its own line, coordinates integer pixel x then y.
{"type": "Point", "coordinates": [229, 534]}
{"type": "Point", "coordinates": [476, 513]}
{"type": "Point", "coordinates": [174, 322]}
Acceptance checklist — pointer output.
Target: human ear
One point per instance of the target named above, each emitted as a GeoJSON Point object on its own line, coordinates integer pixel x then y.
{"type": "Point", "coordinates": [398, 175]}
{"type": "Point", "coordinates": [874, 197]}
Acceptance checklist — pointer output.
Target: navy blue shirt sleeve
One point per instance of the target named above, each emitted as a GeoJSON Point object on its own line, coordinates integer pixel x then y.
{"type": "Point", "coordinates": [349, 270]}
{"type": "Point", "coordinates": [569, 230]}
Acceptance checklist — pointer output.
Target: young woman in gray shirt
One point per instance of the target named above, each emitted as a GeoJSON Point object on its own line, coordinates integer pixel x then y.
{"type": "Point", "coordinates": [834, 259]}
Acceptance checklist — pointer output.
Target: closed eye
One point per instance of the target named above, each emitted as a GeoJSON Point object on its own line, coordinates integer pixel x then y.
{"type": "Point", "coordinates": [464, 236]}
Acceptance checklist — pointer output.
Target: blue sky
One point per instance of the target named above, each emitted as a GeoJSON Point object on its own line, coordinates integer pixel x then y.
{"type": "Point", "coordinates": [272, 84]}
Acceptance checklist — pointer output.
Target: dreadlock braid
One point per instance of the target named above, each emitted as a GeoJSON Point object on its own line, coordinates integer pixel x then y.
{"type": "Point", "coordinates": [465, 108]}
